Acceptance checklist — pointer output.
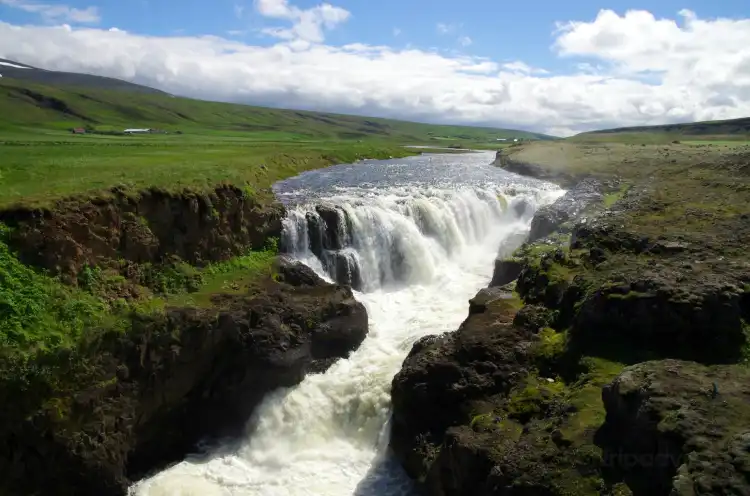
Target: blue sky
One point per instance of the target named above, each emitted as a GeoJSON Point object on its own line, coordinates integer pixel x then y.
{"type": "Point", "coordinates": [545, 52]}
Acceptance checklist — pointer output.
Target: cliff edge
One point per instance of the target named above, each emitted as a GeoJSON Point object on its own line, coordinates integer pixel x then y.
{"type": "Point", "coordinates": [616, 362]}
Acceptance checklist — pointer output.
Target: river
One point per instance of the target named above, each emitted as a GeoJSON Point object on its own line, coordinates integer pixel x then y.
{"type": "Point", "coordinates": [421, 235]}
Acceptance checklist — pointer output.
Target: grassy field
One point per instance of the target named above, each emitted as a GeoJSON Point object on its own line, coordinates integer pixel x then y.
{"type": "Point", "coordinates": [36, 173]}
{"type": "Point", "coordinates": [203, 144]}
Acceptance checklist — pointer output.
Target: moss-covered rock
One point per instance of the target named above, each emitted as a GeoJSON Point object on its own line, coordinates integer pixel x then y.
{"type": "Point", "coordinates": [89, 419]}
{"type": "Point", "coordinates": [680, 428]}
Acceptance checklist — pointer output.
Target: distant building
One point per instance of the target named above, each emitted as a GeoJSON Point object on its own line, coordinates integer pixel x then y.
{"type": "Point", "coordinates": [502, 139]}
{"type": "Point", "coordinates": [78, 130]}
{"type": "Point", "coordinates": [136, 131]}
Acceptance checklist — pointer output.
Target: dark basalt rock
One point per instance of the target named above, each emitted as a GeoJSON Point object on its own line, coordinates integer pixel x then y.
{"type": "Point", "coordinates": [583, 198]}
{"type": "Point", "coordinates": [337, 227]}
{"type": "Point", "coordinates": [127, 404]}
{"type": "Point", "coordinates": [316, 233]}
{"type": "Point", "coordinates": [680, 428]}
{"type": "Point", "coordinates": [296, 273]}
{"type": "Point", "coordinates": [506, 271]}
{"type": "Point", "coordinates": [343, 268]}
{"type": "Point", "coordinates": [443, 375]}
{"type": "Point", "coordinates": [669, 319]}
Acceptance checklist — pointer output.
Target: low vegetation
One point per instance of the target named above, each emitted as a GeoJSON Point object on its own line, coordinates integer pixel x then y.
{"type": "Point", "coordinates": [706, 132]}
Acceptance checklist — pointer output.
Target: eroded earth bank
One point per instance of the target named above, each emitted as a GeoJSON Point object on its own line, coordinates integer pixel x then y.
{"type": "Point", "coordinates": [610, 354]}
{"type": "Point", "coordinates": [126, 375]}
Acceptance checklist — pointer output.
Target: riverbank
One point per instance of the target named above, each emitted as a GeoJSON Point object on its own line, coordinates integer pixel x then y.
{"type": "Point", "coordinates": [616, 361]}
{"type": "Point", "coordinates": [135, 322]}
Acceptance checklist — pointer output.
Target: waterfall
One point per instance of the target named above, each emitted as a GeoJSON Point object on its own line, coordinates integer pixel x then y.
{"type": "Point", "coordinates": [415, 244]}
{"type": "Point", "coordinates": [397, 240]}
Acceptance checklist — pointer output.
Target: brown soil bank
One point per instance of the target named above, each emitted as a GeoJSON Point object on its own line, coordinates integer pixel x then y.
{"type": "Point", "coordinates": [90, 420]}
{"type": "Point", "coordinates": [125, 231]}
{"type": "Point", "coordinates": [617, 362]}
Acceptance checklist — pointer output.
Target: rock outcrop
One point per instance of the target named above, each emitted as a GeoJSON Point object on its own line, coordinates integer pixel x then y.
{"type": "Point", "coordinates": [584, 198]}
{"type": "Point", "coordinates": [91, 420]}
{"type": "Point", "coordinates": [329, 233]}
{"type": "Point", "coordinates": [680, 428]}
{"type": "Point", "coordinates": [621, 370]}
{"type": "Point", "coordinates": [444, 376]}
{"type": "Point", "coordinates": [122, 231]}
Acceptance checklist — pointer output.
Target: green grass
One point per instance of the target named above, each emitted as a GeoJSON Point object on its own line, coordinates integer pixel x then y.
{"type": "Point", "coordinates": [235, 276]}
{"type": "Point", "coordinates": [41, 109]}
{"type": "Point", "coordinates": [39, 173]}
{"type": "Point", "coordinates": [615, 196]}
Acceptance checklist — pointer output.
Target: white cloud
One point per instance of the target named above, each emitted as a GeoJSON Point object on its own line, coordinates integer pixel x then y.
{"type": "Point", "coordinates": [447, 28]}
{"type": "Point", "coordinates": [523, 68]}
{"type": "Point", "coordinates": [628, 69]}
{"type": "Point", "coordinates": [239, 10]}
{"type": "Point", "coordinates": [56, 13]}
{"type": "Point", "coordinates": [396, 32]}
{"type": "Point", "coordinates": [465, 41]}
{"type": "Point", "coordinates": [308, 25]}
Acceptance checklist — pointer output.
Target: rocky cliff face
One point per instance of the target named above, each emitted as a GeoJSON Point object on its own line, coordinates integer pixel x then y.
{"type": "Point", "coordinates": [615, 362]}
{"type": "Point", "coordinates": [123, 231]}
{"type": "Point", "coordinates": [92, 420]}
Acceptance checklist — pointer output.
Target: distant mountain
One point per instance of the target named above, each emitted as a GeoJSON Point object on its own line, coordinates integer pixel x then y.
{"type": "Point", "coordinates": [17, 70]}
{"type": "Point", "coordinates": [731, 127]}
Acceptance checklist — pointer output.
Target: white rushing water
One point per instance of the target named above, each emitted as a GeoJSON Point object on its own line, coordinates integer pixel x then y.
{"type": "Point", "coordinates": [421, 251]}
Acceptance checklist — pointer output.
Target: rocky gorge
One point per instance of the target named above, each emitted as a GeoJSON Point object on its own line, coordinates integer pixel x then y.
{"type": "Point", "coordinates": [140, 388]}
{"type": "Point", "coordinates": [609, 354]}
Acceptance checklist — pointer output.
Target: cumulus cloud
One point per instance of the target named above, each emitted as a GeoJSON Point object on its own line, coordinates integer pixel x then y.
{"type": "Point", "coordinates": [622, 69]}
{"type": "Point", "coordinates": [523, 68]}
{"type": "Point", "coordinates": [308, 25]}
{"type": "Point", "coordinates": [56, 13]}
{"type": "Point", "coordinates": [465, 41]}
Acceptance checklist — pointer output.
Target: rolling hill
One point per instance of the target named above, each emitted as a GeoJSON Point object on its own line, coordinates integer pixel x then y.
{"type": "Point", "coordinates": [24, 72]}
{"type": "Point", "coordinates": [732, 129]}
{"type": "Point", "coordinates": [34, 99]}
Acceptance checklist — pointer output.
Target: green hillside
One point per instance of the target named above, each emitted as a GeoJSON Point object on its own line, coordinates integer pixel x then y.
{"type": "Point", "coordinates": [29, 74]}
{"type": "Point", "coordinates": [730, 130]}
{"type": "Point", "coordinates": [32, 108]}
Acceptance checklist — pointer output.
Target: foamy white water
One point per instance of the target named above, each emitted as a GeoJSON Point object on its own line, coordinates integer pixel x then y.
{"type": "Point", "coordinates": [422, 248]}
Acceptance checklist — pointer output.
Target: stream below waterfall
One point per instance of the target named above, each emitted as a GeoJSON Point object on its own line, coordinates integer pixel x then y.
{"type": "Point", "coordinates": [417, 237]}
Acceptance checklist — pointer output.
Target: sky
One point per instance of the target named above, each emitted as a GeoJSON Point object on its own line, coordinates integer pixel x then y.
{"type": "Point", "coordinates": [545, 65]}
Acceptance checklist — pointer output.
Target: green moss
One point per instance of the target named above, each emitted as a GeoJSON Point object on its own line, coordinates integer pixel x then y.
{"type": "Point", "coordinates": [630, 295]}
{"type": "Point", "coordinates": [504, 427]}
{"type": "Point", "coordinates": [585, 395]}
{"type": "Point", "coordinates": [612, 198]}
{"type": "Point", "coordinates": [551, 344]}
{"type": "Point", "coordinates": [533, 398]}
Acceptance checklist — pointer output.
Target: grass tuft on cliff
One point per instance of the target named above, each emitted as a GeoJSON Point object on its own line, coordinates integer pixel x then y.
{"type": "Point", "coordinates": [37, 311]}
